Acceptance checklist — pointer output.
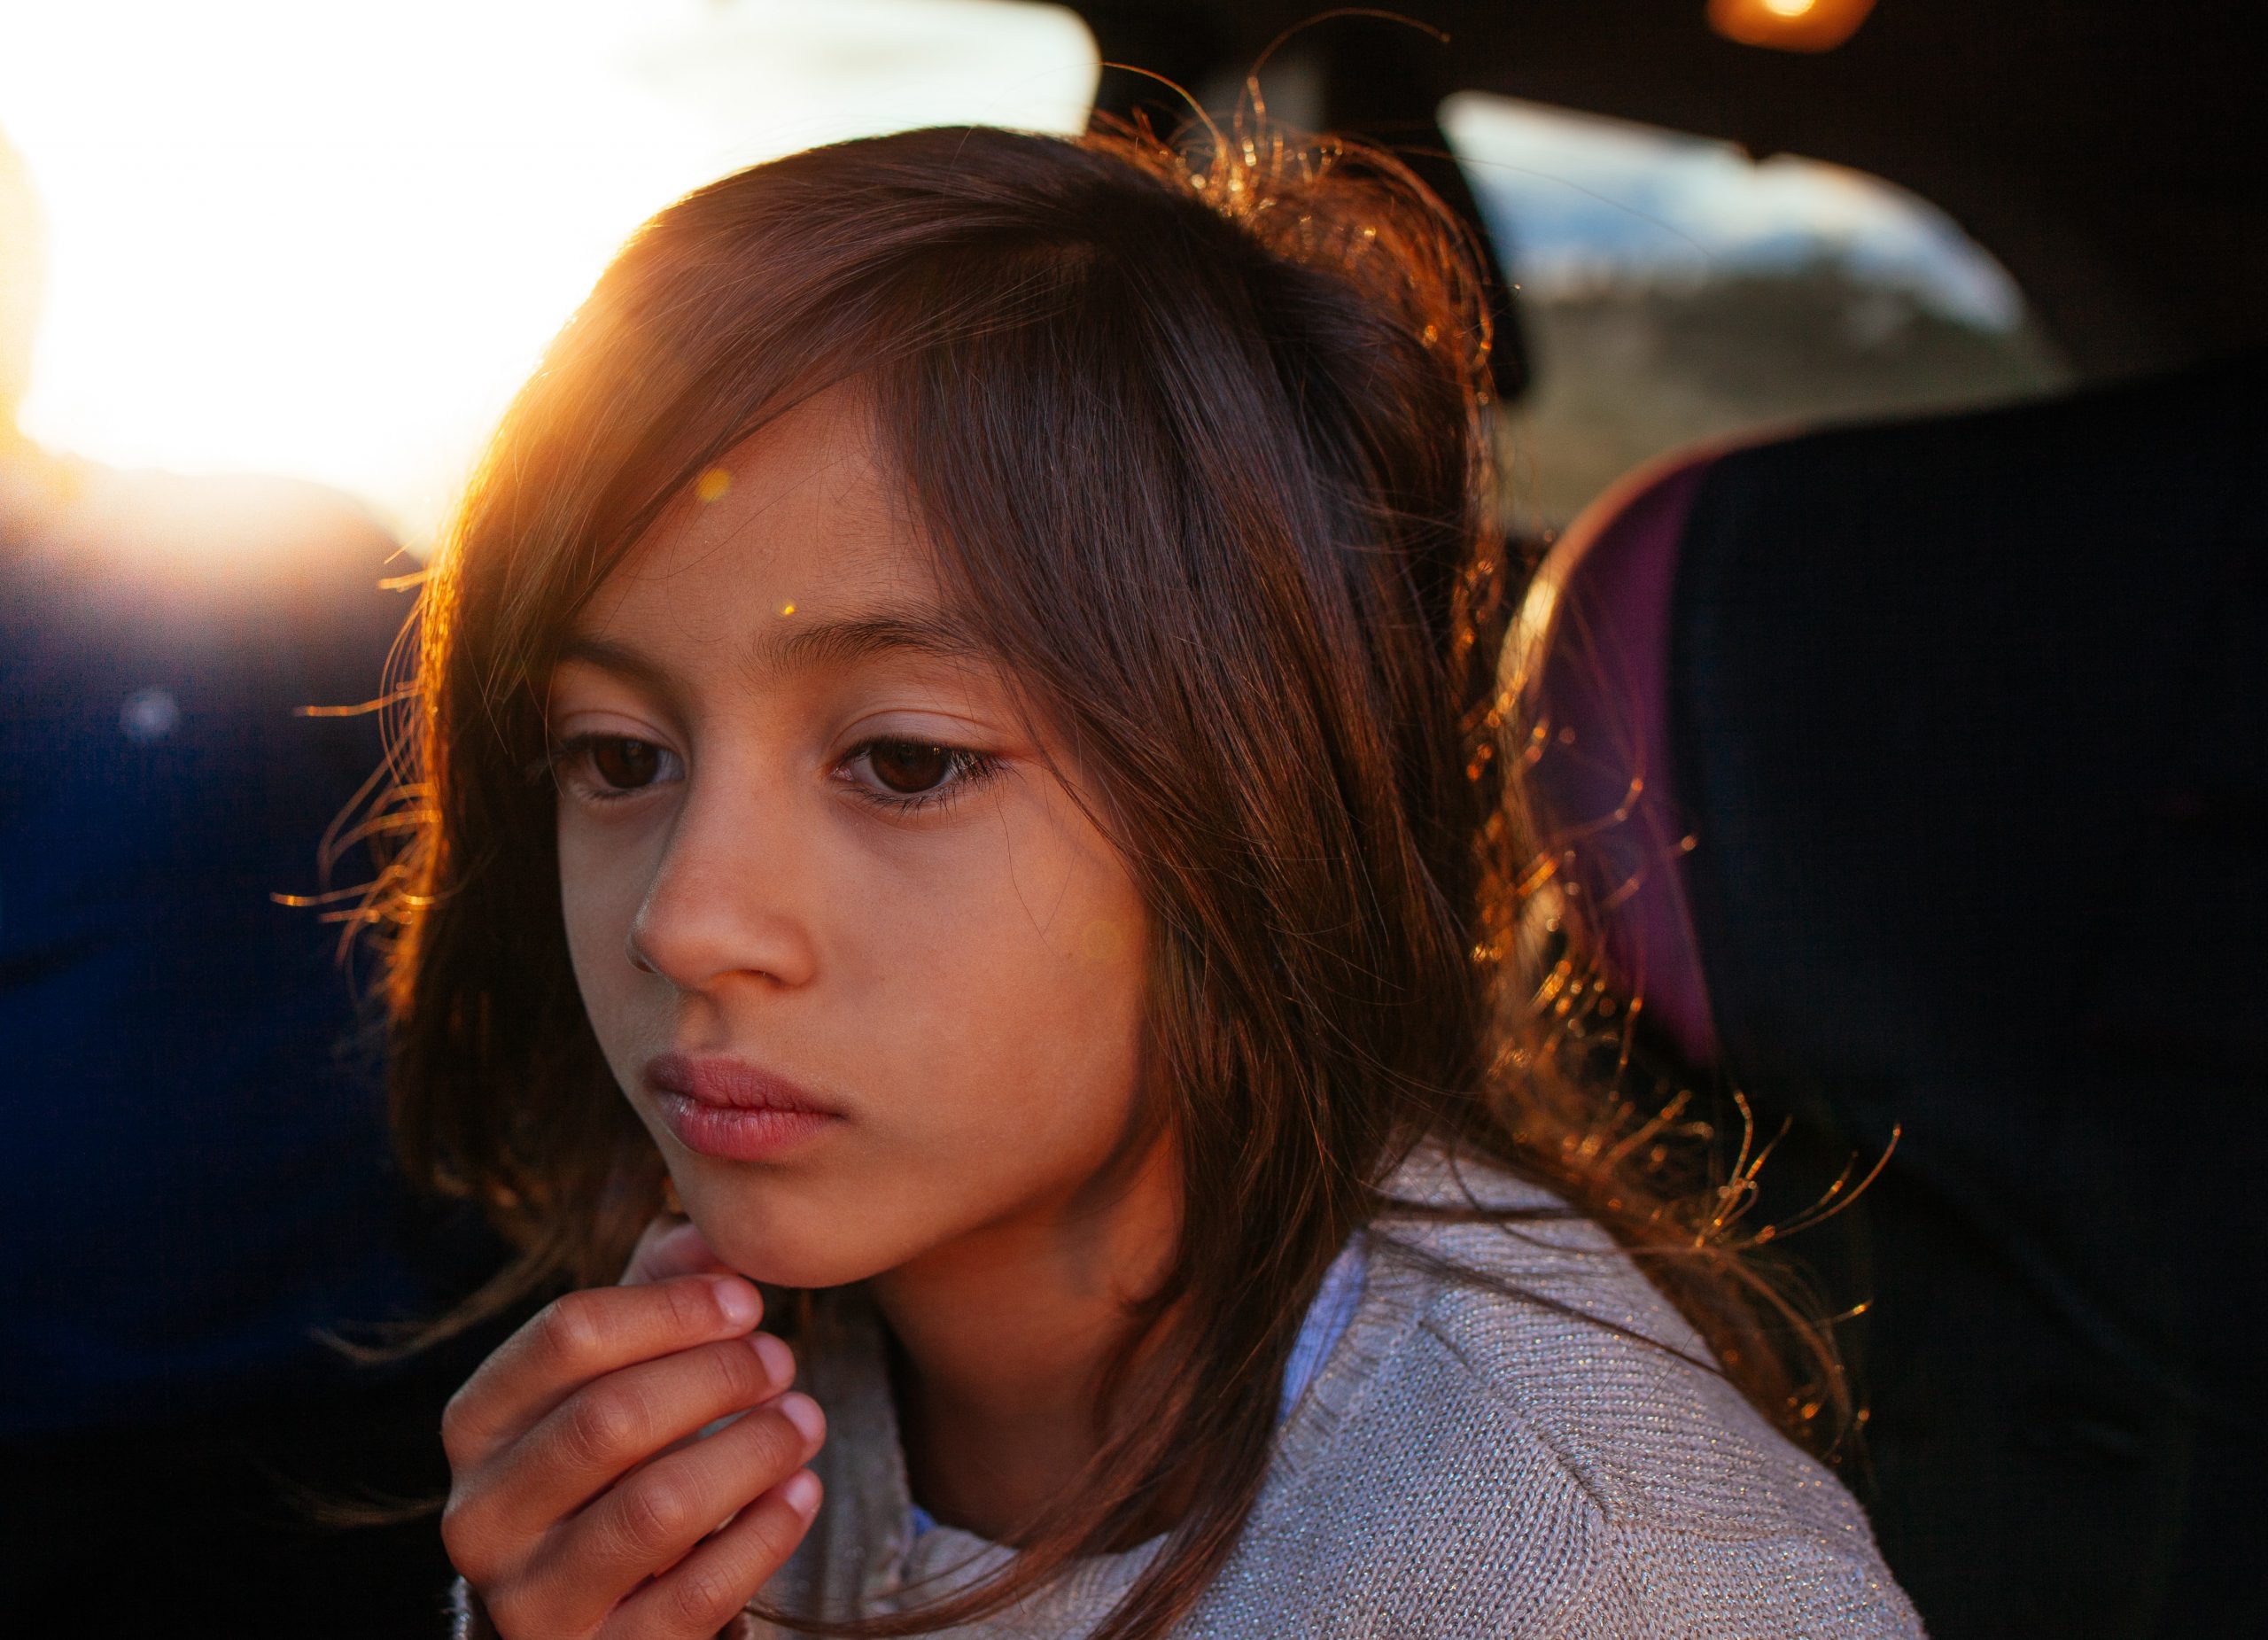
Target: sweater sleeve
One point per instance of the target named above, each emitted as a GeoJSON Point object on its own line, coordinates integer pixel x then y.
{"type": "Point", "coordinates": [467, 1618]}
{"type": "Point", "coordinates": [1655, 1584]}
{"type": "Point", "coordinates": [1476, 1461]}
{"type": "Point", "coordinates": [1666, 1510]}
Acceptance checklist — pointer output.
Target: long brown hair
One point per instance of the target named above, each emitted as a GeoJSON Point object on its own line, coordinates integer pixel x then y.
{"type": "Point", "coordinates": [1198, 435]}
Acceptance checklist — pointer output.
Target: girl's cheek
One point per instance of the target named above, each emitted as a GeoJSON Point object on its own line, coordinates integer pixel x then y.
{"type": "Point", "coordinates": [598, 901]}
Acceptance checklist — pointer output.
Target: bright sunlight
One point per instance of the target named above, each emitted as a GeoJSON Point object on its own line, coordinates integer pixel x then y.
{"type": "Point", "coordinates": [328, 240]}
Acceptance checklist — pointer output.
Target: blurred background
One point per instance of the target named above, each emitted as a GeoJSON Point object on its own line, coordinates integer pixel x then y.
{"type": "Point", "coordinates": [1935, 643]}
{"type": "Point", "coordinates": [329, 241]}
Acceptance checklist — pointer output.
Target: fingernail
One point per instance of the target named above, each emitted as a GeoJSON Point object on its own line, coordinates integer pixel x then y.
{"type": "Point", "coordinates": [779, 1360]}
{"type": "Point", "coordinates": [804, 1413]}
{"type": "Point", "coordinates": [800, 1492]}
{"type": "Point", "coordinates": [737, 1300]}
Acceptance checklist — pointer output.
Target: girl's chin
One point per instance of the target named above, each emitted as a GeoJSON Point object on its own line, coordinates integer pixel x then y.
{"type": "Point", "coordinates": [756, 1245]}
{"type": "Point", "coordinates": [812, 1277]}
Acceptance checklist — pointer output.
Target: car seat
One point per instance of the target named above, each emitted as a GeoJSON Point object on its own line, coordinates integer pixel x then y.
{"type": "Point", "coordinates": [1915, 777]}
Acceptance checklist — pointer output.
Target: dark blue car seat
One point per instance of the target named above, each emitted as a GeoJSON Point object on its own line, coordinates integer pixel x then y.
{"type": "Point", "coordinates": [1916, 775]}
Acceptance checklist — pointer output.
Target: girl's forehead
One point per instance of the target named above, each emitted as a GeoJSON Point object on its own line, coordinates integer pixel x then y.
{"type": "Point", "coordinates": [817, 468]}
{"type": "Point", "coordinates": [804, 517]}
{"type": "Point", "coordinates": [792, 557]}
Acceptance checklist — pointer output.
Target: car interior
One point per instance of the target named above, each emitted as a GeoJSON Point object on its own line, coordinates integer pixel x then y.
{"type": "Point", "coordinates": [1890, 681]}
{"type": "Point", "coordinates": [1911, 769]}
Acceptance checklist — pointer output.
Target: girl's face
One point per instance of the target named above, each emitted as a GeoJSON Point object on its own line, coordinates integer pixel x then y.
{"type": "Point", "coordinates": [861, 964]}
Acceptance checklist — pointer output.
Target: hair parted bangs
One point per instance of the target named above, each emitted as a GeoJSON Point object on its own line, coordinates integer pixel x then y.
{"type": "Point", "coordinates": [1197, 439]}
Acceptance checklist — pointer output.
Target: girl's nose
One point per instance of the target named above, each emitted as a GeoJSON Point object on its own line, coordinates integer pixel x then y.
{"type": "Point", "coordinates": [728, 899]}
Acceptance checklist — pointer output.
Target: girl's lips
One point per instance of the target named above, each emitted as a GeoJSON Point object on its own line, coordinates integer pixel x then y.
{"type": "Point", "coordinates": [733, 1135]}
{"type": "Point", "coordinates": [733, 1110]}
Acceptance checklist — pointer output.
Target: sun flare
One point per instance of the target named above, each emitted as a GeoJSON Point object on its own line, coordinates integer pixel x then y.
{"type": "Point", "coordinates": [329, 241]}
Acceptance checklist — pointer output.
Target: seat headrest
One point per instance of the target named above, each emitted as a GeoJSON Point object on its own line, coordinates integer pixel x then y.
{"type": "Point", "coordinates": [1587, 668]}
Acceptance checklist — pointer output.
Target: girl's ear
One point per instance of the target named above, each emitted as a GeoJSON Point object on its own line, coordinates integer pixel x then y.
{"type": "Point", "coordinates": [671, 1245]}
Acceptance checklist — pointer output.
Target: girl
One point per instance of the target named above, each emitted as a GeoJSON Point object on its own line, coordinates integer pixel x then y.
{"type": "Point", "coordinates": [956, 743]}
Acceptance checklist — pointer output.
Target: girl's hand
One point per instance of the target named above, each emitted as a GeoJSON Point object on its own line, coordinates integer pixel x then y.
{"type": "Point", "coordinates": [579, 1504]}
{"type": "Point", "coordinates": [671, 1245]}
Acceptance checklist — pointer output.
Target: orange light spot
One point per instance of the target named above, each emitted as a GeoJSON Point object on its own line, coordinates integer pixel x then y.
{"type": "Point", "coordinates": [711, 485]}
{"type": "Point", "coordinates": [1788, 24]}
{"type": "Point", "coordinates": [1102, 941]}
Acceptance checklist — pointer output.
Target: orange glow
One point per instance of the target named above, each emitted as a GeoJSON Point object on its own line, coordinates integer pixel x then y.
{"type": "Point", "coordinates": [1788, 24]}
{"type": "Point", "coordinates": [330, 240]}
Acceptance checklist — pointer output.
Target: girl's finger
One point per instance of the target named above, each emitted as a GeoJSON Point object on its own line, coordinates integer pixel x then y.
{"type": "Point", "coordinates": [612, 1426]}
{"type": "Point", "coordinates": [703, 1591]}
{"type": "Point", "coordinates": [582, 1336]}
{"type": "Point", "coordinates": [671, 1245]}
{"type": "Point", "coordinates": [655, 1517]}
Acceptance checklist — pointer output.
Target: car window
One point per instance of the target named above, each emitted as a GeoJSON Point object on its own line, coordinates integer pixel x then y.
{"type": "Point", "coordinates": [330, 242]}
{"type": "Point", "coordinates": [1673, 289]}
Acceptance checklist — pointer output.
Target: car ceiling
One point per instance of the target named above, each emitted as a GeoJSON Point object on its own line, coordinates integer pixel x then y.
{"type": "Point", "coordinates": [2110, 154]}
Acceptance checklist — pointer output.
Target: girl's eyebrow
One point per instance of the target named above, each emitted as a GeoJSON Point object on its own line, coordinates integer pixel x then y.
{"type": "Point", "coordinates": [838, 642]}
{"type": "Point", "coordinates": [622, 659]}
{"type": "Point", "coordinates": [863, 636]}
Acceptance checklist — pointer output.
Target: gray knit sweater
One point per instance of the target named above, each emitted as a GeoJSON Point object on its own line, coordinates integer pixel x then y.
{"type": "Point", "coordinates": [1464, 1463]}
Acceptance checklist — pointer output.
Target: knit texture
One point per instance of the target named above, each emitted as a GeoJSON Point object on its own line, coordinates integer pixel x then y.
{"type": "Point", "coordinates": [1464, 1463]}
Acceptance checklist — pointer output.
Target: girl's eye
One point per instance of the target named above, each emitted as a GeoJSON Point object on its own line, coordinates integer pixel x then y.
{"type": "Point", "coordinates": [602, 766]}
{"type": "Point", "coordinates": [905, 767]}
{"type": "Point", "coordinates": [625, 764]}
{"type": "Point", "coordinates": [909, 774]}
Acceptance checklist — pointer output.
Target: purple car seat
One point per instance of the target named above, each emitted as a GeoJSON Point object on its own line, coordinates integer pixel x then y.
{"type": "Point", "coordinates": [1589, 660]}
